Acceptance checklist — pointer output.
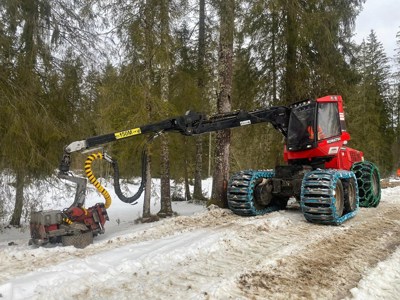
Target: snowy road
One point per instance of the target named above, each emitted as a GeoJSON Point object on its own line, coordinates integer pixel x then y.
{"type": "Point", "coordinates": [217, 255]}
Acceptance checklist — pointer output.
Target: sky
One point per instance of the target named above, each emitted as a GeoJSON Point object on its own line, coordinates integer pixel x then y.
{"type": "Point", "coordinates": [383, 16]}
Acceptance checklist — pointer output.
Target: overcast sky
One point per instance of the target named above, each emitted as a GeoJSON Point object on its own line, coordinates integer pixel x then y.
{"type": "Point", "coordinates": [383, 16]}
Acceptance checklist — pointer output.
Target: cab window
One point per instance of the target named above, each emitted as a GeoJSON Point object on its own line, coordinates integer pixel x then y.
{"type": "Point", "coordinates": [328, 120]}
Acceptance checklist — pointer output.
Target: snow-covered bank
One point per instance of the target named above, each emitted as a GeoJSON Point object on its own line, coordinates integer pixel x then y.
{"type": "Point", "coordinates": [381, 282]}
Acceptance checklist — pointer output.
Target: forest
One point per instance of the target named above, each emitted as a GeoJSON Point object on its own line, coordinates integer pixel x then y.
{"type": "Point", "coordinates": [71, 69]}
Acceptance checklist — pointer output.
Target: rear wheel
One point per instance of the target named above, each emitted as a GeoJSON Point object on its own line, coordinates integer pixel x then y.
{"type": "Point", "coordinates": [369, 187]}
{"type": "Point", "coordinates": [350, 203]}
{"type": "Point", "coordinates": [339, 198]}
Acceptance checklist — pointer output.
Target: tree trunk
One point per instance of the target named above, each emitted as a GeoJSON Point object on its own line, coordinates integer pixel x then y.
{"type": "Point", "coordinates": [274, 68]}
{"type": "Point", "coordinates": [225, 76]}
{"type": "Point", "coordinates": [186, 166]}
{"type": "Point", "coordinates": [147, 189]}
{"type": "Point", "coordinates": [19, 198]}
{"type": "Point", "coordinates": [198, 193]}
{"type": "Point", "coordinates": [166, 207]}
{"type": "Point", "coordinates": [291, 53]}
{"type": "Point", "coordinates": [147, 90]}
{"type": "Point", "coordinates": [221, 169]}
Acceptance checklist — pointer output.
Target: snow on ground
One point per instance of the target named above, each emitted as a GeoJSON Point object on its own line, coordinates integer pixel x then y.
{"type": "Point", "coordinates": [210, 253]}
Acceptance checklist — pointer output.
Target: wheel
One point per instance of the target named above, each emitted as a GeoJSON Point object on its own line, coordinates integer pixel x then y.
{"type": "Point", "coordinates": [263, 197]}
{"type": "Point", "coordinates": [350, 203]}
{"type": "Point", "coordinates": [339, 198]}
{"type": "Point", "coordinates": [369, 186]}
{"type": "Point", "coordinates": [262, 194]}
{"type": "Point", "coordinates": [80, 240]}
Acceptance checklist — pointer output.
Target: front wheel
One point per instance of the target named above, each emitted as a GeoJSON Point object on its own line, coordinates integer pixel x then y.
{"type": "Point", "coordinates": [369, 186]}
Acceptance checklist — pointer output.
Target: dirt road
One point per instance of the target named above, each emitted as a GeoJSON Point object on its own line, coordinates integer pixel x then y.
{"type": "Point", "coordinates": [212, 255]}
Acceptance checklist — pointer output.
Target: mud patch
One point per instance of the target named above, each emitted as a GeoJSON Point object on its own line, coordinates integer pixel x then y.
{"type": "Point", "coordinates": [328, 268]}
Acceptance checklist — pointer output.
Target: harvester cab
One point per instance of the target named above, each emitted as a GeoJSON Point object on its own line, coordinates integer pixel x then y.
{"type": "Point", "coordinates": [327, 178]}
{"type": "Point", "coordinates": [314, 121]}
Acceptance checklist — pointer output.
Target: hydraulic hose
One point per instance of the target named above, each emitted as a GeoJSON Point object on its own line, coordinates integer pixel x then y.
{"type": "Point", "coordinates": [93, 180]}
{"type": "Point", "coordinates": [117, 188]}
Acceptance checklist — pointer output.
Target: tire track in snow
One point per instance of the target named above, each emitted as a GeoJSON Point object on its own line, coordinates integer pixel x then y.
{"type": "Point", "coordinates": [242, 246]}
{"type": "Point", "coordinates": [21, 259]}
{"type": "Point", "coordinates": [217, 255]}
{"type": "Point", "coordinates": [329, 268]}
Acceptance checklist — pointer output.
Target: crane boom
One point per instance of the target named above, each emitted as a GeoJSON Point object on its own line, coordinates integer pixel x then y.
{"type": "Point", "coordinates": [192, 123]}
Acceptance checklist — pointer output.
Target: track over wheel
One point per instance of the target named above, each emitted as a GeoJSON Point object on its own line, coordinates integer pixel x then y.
{"type": "Point", "coordinates": [339, 198]}
{"type": "Point", "coordinates": [246, 196]}
{"type": "Point", "coordinates": [80, 240]}
{"type": "Point", "coordinates": [369, 187]}
{"type": "Point", "coordinates": [350, 203]}
{"type": "Point", "coordinates": [324, 194]}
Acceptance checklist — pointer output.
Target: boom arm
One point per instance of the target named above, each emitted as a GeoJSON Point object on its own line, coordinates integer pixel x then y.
{"type": "Point", "coordinates": [193, 123]}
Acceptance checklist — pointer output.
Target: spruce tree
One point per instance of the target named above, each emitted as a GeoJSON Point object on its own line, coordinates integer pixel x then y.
{"type": "Point", "coordinates": [165, 64]}
{"type": "Point", "coordinates": [201, 82]}
{"type": "Point", "coordinates": [226, 10]}
{"type": "Point", "coordinates": [368, 116]}
{"type": "Point", "coordinates": [395, 104]}
{"type": "Point", "coordinates": [35, 107]}
{"type": "Point", "coordinates": [31, 134]}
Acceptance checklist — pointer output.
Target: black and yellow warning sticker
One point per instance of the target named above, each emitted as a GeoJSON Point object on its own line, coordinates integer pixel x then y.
{"type": "Point", "coordinates": [127, 133]}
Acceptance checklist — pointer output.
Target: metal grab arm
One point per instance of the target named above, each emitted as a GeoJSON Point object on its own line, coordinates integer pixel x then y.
{"type": "Point", "coordinates": [81, 183]}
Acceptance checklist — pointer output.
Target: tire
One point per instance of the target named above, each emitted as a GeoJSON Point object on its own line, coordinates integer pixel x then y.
{"type": "Point", "coordinates": [80, 240]}
{"type": "Point", "coordinates": [350, 203]}
{"type": "Point", "coordinates": [369, 186]}
{"type": "Point", "coordinates": [339, 198]}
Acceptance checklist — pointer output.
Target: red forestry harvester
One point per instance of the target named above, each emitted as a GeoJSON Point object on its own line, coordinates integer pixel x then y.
{"type": "Point", "coordinates": [327, 178]}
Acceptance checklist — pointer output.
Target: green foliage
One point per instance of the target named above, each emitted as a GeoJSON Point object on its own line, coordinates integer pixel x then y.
{"type": "Point", "coordinates": [368, 107]}
{"type": "Point", "coordinates": [302, 47]}
{"type": "Point", "coordinates": [394, 106]}
{"type": "Point", "coordinates": [55, 88]}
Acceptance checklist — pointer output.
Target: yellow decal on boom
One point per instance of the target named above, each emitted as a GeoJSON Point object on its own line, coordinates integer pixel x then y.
{"type": "Point", "coordinates": [127, 133]}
